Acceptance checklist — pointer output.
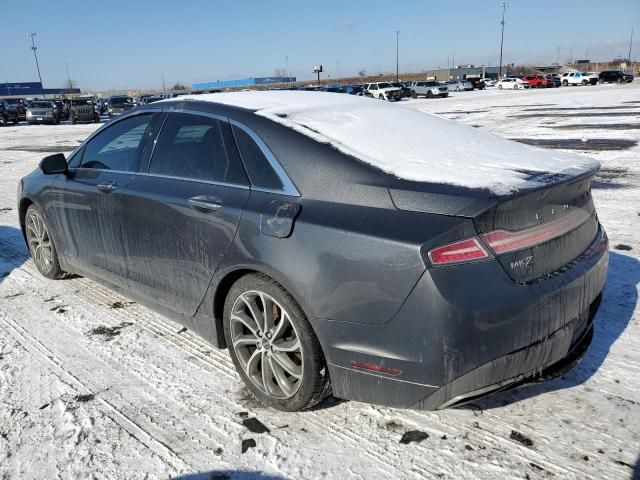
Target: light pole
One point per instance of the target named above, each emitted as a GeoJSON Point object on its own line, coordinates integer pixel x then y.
{"type": "Point", "coordinates": [34, 48]}
{"type": "Point", "coordinates": [504, 9]}
{"type": "Point", "coordinates": [286, 68]}
{"type": "Point", "coordinates": [630, 44]}
{"type": "Point", "coordinates": [397, 41]}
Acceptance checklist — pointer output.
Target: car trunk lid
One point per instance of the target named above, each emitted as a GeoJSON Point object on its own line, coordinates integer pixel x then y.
{"type": "Point", "coordinates": [532, 233]}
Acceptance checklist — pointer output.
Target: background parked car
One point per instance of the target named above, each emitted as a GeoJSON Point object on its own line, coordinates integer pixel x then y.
{"type": "Point", "coordinates": [42, 111]}
{"type": "Point", "coordinates": [553, 80]}
{"type": "Point", "coordinates": [8, 113]}
{"type": "Point", "coordinates": [21, 107]}
{"type": "Point", "coordinates": [615, 76]}
{"type": "Point", "coordinates": [84, 109]}
{"type": "Point", "coordinates": [118, 104]}
{"type": "Point", "coordinates": [406, 90]}
{"type": "Point", "coordinates": [356, 90]}
{"type": "Point", "coordinates": [384, 91]}
{"type": "Point", "coordinates": [536, 81]}
{"type": "Point", "coordinates": [573, 78]}
{"type": "Point", "coordinates": [62, 109]}
{"type": "Point", "coordinates": [593, 77]}
{"type": "Point", "coordinates": [429, 88]}
{"type": "Point", "coordinates": [459, 85]}
{"type": "Point", "coordinates": [512, 83]}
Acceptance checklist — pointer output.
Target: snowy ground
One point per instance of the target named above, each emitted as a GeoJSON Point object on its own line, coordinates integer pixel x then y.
{"type": "Point", "coordinates": [141, 399]}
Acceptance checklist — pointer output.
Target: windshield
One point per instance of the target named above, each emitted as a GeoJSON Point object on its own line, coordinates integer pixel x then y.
{"type": "Point", "coordinates": [40, 105]}
{"type": "Point", "coordinates": [385, 85]}
{"type": "Point", "coordinates": [119, 100]}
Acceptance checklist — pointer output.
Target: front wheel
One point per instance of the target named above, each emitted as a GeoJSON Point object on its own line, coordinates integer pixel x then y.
{"type": "Point", "coordinates": [414, 94]}
{"type": "Point", "coordinates": [619, 81]}
{"type": "Point", "coordinates": [429, 94]}
{"type": "Point", "coordinates": [516, 87]}
{"type": "Point", "coordinates": [273, 346]}
{"type": "Point", "coordinates": [565, 83]}
{"type": "Point", "coordinates": [499, 87]}
{"type": "Point", "coordinates": [41, 246]}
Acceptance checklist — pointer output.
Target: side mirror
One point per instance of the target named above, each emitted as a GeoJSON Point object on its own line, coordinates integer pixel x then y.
{"type": "Point", "coordinates": [54, 164]}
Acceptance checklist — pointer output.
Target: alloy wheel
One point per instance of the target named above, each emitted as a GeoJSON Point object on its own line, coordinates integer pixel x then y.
{"type": "Point", "coordinates": [39, 241]}
{"type": "Point", "coordinates": [267, 344]}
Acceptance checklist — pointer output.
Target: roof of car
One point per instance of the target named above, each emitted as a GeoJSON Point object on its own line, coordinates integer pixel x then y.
{"type": "Point", "coordinates": [416, 146]}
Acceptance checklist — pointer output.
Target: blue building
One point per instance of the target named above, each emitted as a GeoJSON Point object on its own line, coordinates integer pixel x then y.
{"type": "Point", "coordinates": [32, 89]}
{"type": "Point", "coordinates": [243, 82]}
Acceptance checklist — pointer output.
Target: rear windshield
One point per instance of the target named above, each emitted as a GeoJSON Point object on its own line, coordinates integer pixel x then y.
{"type": "Point", "coordinates": [119, 100]}
{"type": "Point", "coordinates": [40, 105]}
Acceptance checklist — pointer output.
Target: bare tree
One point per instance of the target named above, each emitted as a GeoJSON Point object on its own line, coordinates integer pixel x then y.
{"type": "Point", "coordinates": [179, 86]}
{"type": "Point", "coordinates": [280, 72]}
{"type": "Point", "coordinates": [362, 73]}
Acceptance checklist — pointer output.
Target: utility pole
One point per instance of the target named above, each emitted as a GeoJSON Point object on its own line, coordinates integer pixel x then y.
{"type": "Point", "coordinates": [504, 6]}
{"type": "Point", "coordinates": [630, 44]}
{"type": "Point", "coordinates": [338, 71]}
{"type": "Point", "coordinates": [286, 68]}
{"type": "Point", "coordinates": [164, 89]}
{"type": "Point", "coordinates": [34, 48]}
{"type": "Point", "coordinates": [397, 51]}
{"type": "Point", "coordinates": [558, 56]}
{"type": "Point", "coordinates": [69, 84]}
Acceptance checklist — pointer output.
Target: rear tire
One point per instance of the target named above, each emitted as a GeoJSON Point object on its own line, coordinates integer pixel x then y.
{"type": "Point", "coordinates": [414, 94]}
{"type": "Point", "coordinates": [41, 245]}
{"type": "Point", "coordinates": [273, 346]}
{"type": "Point", "coordinates": [619, 81]}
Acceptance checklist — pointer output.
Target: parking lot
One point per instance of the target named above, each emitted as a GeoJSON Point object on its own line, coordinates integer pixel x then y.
{"type": "Point", "coordinates": [93, 385]}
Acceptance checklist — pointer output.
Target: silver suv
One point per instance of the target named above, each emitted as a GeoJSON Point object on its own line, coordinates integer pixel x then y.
{"type": "Point", "coordinates": [429, 88]}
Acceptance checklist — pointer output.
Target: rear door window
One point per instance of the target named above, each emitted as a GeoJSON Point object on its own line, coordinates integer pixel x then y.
{"type": "Point", "coordinates": [119, 146]}
{"type": "Point", "coordinates": [199, 148]}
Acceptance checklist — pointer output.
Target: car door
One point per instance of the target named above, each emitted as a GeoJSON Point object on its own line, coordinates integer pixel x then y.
{"type": "Point", "coordinates": [182, 210]}
{"type": "Point", "coordinates": [87, 209]}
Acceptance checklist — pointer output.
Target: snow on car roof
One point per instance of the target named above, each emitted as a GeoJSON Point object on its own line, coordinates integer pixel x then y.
{"type": "Point", "coordinates": [405, 142]}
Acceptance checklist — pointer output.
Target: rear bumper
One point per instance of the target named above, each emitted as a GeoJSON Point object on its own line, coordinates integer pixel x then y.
{"type": "Point", "coordinates": [466, 331]}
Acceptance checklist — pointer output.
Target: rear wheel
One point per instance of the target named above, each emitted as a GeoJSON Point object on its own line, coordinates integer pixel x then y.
{"type": "Point", "coordinates": [41, 246]}
{"type": "Point", "coordinates": [619, 81]}
{"type": "Point", "coordinates": [414, 94]}
{"type": "Point", "coordinates": [273, 346]}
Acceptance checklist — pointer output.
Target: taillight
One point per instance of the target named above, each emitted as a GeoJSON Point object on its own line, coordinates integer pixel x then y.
{"type": "Point", "coordinates": [503, 241]}
{"type": "Point", "coordinates": [466, 250]}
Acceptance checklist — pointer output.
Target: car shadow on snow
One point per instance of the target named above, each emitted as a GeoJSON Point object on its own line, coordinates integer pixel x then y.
{"type": "Point", "coordinates": [13, 251]}
{"type": "Point", "coordinates": [228, 475]}
{"type": "Point", "coordinates": [616, 310]}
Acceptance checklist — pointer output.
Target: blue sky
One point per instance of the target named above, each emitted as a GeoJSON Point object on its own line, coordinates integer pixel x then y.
{"type": "Point", "coordinates": [130, 44]}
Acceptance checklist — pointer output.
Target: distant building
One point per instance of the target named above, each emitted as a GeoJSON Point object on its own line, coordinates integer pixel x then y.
{"type": "Point", "coordinates": [32, 89]}
{"type": "Point", "coordinates": [243, 82]}
{"type": "Point", "coordinates": [463, 72]}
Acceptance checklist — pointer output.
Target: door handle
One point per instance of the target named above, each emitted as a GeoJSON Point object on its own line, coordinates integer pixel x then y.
{"type": "Point", "coordinates": [205, 202]}
{"type": "Point", "coordinates": [107, 187]}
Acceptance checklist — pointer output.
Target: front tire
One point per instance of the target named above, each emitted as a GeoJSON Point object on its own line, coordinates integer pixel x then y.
{"type": "Point", "coordinates": [41, 245]}
{"type": "Point", "coordinates": [273, 346]}
{"type": "Point", "coordinates": [499, 87]}
{"type": "Point", "coordinates": [429, 94]}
